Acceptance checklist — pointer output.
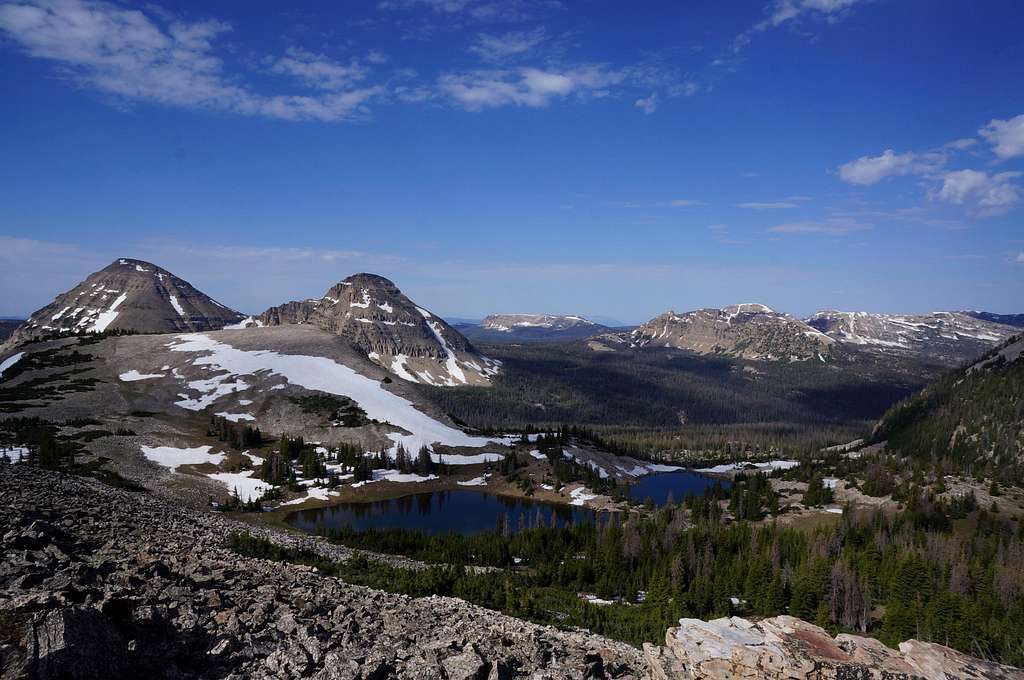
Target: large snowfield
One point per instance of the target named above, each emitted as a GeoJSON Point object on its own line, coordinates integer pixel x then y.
{"type": "Point", "coordinates": [326, 375]}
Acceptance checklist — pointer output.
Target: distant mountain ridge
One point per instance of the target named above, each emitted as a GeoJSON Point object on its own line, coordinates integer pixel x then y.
{"type": "Point", "coordinates": [947, 337]}
{"type": "Point", "coordinates": [509, 322]}
{"type": "Point", "coordinates": [1015, 320]}
{"type": "Point", "coordinates": [128, 295]}
{"type": "Point", "coordinates": [748, 331]}
{"type": "Point", "coordinates": [531, 328]}
{"type": "Point", "coordinates": [409, 341]}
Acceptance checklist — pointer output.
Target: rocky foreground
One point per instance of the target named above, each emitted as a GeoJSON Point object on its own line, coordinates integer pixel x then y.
{"type": "Point", "coordinates": [97, 582]}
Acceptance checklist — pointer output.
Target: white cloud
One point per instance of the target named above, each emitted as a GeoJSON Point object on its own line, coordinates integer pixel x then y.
{"type": "Point", "coordinates": [684, 202]}
{"type": "Point", "coordinates": [126, 53]}
{"type": "Point", "coordinates": [834, 226]}
{"type": "Point", "coordinates": [533, 87]}
{"type": "Point", "coordinates": [1020, 258]}
{"type": "Point", "coordinates": [782, 11]}
{"type": "Point", "coordinates": [1005, 136]}
{"type": "Point", "coordinates": [317, 71]}
{"type": "Point", "coordinates": [767, 206]}
{"type": "Point", "coordinates": [960, 144]}
{"type": "Point", "coordinates": [868, 170]}
{"type": "Point", "coordinates": [647, 104]}
{"type": "Point", "coordinates": [981, 193]}
{"type": "Point", "coordinates": [497, 48]}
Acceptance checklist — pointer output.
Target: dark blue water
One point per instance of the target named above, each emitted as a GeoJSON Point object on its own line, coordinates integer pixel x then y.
{"type": "Point", "coordinates": [438, 512]}
{"type": "Point", "coordinates": [658, 487]}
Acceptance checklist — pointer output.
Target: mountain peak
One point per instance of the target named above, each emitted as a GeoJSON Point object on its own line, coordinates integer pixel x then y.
{"type": "Point", "coordinates": [749, 308]}
{"type": "Point", "coordinates": [128, 295]}
{"type": "Point", "coordinates": [395, 333]}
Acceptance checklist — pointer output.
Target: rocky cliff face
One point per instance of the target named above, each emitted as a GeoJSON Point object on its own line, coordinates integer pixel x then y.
{"type": "Point", "coordinates": [129, 295]}
{"type": "Point", "coordinates": [749, 331]}
{"type": "Point", "coordinates": [947, 337]}
{"type": "Point", "coordinates": [411, 342]}
{"type": "Point", "coordinates": [786, 648]}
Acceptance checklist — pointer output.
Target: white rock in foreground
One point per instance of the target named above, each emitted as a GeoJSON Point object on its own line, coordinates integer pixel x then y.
{"type": "Point", "coordinates": [787, 648]}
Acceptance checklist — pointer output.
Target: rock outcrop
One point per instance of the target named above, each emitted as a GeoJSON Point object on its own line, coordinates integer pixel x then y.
{"type": "Point", "coordinates": [127, 295]}
{"type": "Point", "coordinates": [786, 648]}
{"type": "Point", "coordinates": [407, 340]}
{"type": "Point", "coordinates": [748, 331]}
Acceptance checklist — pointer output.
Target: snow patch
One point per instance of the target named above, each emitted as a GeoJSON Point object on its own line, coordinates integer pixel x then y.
{"type": "Point", "coordinates": [106, 318]}
{"type": "Point", "coordinates": [133, 375]}
{"type": "Point", "coordinates": [177, 306]}
{"type": "Point", "coordinates": [325, 375]}
{"type": "Point", "coordinates": [235, 417]}
{"type": "Point", "coordinates": [10, 361]}
{"type": "Point", "coordinates": [249, 488]}
{"type": "Point", "coordinates": [171, 457]}
{"type": "Point", "coordinates": [759, 467]}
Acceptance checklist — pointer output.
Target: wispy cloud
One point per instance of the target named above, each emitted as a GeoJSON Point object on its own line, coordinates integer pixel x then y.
{"type": "Point", "coordinates": [499, 48]}
{"type": "Point", "coordinates": [647, 104]}
{"type": "Point", "coordinates": [868, 170]}
{"type": "Point", "coordinates": [532, 87]}
{"type": "Point", "coordinates": [777, 205]}
{"type": "Point", "coordinates": [1020, 258]}
{"type": "Point", "coordinates": [317, 70]}
{"type": "Point", "coordinates": [834, 226]}
{"type": "Point", "coordinates": [781, 12]}
{"type": "Point", "coordinates": [141, 57]}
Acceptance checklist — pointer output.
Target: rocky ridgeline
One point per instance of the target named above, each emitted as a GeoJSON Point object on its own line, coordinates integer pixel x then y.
{"type": "Point", "coordinates": [748, 331]}
{"type": "Point", "coordinates": [945, 337]}
{"type": "Point", "coordinates": [98, 582]}
{"type": "Point", "coordinates": [375, 316]}
{"type": "Point", "coordinates": [127, 295]}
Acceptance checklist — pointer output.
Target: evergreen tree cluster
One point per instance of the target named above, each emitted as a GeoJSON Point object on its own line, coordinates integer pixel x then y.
{"type": "Point", "coordinates": [972, 419]}
{"type": "Point", "coordinates": [235, 435]}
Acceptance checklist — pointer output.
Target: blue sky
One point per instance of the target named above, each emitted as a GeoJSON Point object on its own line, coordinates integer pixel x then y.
{"type": "Point", "coordinates": [601, 158]}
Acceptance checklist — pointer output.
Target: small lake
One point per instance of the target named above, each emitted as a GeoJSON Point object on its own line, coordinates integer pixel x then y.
{"type": "Point", "coordinates": [658, 486]}
{"type": "Point", "coordinates": [438, 512]}
{"type": "Point", "coordinates": [476, 512]}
